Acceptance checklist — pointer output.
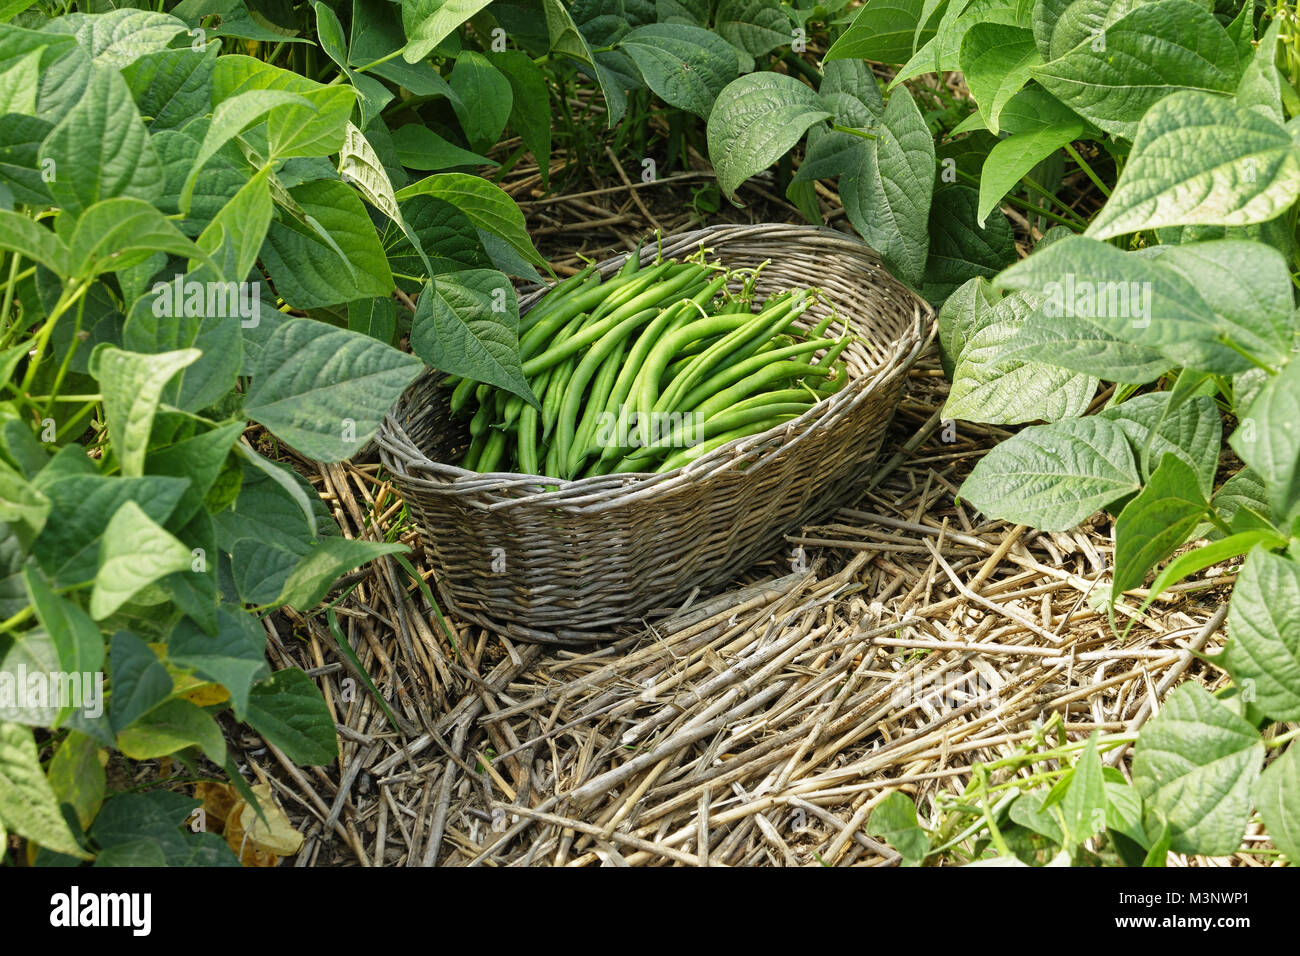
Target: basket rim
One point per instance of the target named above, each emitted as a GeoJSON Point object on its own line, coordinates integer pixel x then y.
{"type": "Point", "coordinates": [593, 493]}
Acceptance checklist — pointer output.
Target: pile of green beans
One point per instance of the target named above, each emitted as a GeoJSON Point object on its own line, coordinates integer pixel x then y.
{"type": "Point", "coordinates": [647, 371]}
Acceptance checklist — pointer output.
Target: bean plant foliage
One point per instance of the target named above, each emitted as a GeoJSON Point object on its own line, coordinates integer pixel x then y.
{"type": "Point", "coordinates": [216, 212]}
{"type": "Point", "coordinates": [210, 215]}
{"type": "Point", "coordinates": [1177, 295]}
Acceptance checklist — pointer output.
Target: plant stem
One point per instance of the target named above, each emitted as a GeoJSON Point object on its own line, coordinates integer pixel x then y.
{"type": "Point", "coordinates": [855, 132]}
{"type": "Point", "coordinates": [1039, 210]}
{"type": "Point", "coordinates": [1281, 739]}
{"type": "Point", "coordinates": [9, 297]}
{"type": "Point", "coordinates": [1083, 164]}
{"type": "Point", "coordinates": [43, 336]}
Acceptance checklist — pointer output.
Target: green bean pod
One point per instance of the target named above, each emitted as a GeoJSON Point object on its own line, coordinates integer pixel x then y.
{"type": "Point", "coordinates": [693, 432]}
{"type": "Point", "coordinates": [731, 374]}
{"type": "Point", "coordinates": [654, 296]}
{"type": "Point", "coordinates": [761, 380]}
{"type": "Point", "coordinates": [687, 455]}
{"type": "Point", "coordinates": [595, 357]}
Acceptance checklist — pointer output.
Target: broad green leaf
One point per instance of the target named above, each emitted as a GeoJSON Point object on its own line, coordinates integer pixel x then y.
{"type": "Point", "coordinates": [171, 87]}
{"type": "Point", "coordinates": [360, 166]}
{"type": "Point", "coordinates": [39, 703]}
{"type": "Point", "coordinates": [487, 206]}
{"type": "Point", "coordinates": [20, 169]}
{"type": "Point", "coordinates": [376, 33]}
{"type": "Point", "coordinates": [376, 318]}
{"type": "Point", "coordinates": [19, 81]}
{"type": "Point", "coordinates": [962, 313]}
{"type": "Point", "coordinates": [755, 26]}
{"type": "Point", "coordinates": [1200, 159]}
{"type": "Point", "coordinates": [485, 98]}
{"type": "Point", "coordinates": [567, 39]}
{"type": "Point", "coordinates": [1260, 88]}
{"type": "Point", "coordinates": [1195, 766]}
{"type": "Point", "coordinates": [194, 591]}
{"type": "Point", "coordinates": [234, 237]}
{"type": "Point", "coordinates": [530, 109]}
{"type": "Point", "coordinates": [117, 38]}
{"type": "Point", "coordinates": [685, 66]}
{"type": "Point", "coordinates": [235, 657]}
{"type": "Point", "coordinates": [321, 567]}
{"type": "Point", "coordinates": [1054, 476]}
{"type": "Point", "coordinates": [314, 128]}
{"type": "Point", "coordinates": [290, 713]}
{"type": "Point", "coordinates": [1193, 431]}
{"type": "Point", "coordinates": [1079, 345]}
{"type": "Point", "coordinates": [1216, 552]}
{"type": "Point", "coordinates": [134, 553]}
{"type": "Point", "coordinates": [119, 233]}
{"type": "Point", "coordinates": [851, 93]}
{"type": "Point", "coordinates": [274, 505]}
{"type": "Point", "coordinates": [1263, 655]}
{"type": "Point", "coordinates": [1133, 297]}
{"type": "Point", "coordinates": [186, 313]}
{"type": "Point", "coordinates": [1012, 159]}
{"type": "Point", "coordinates": [997, 62]}
{"type": "Point", "coordinates": [1248, 287]}
{"type": "Point", "coordinates": [959, 249]}
{"type": "Point", "coordinates": [755, 121]}
{"type": "Point", "coordinates": [77, 777]}
{"type": "Point", "coordinates": [1242, 503]}
{"type": "Point", "coordinates": [171, 726]}
{"type": "Point", "coordinates": [1061, 25]}
{"type": "Point", "coordinates": [139, 680]}
{"type": "Point", "coordinates": [1277, 796]}
{"type": "Point", "coordinates": [22, 507]}
{"type": "Point", "coordinates": [76, 638]}
{"type": "Point", "coordinates": [231, 115]}
{"type": "Point", "coordinates": [894, 821]}
{"type": "Point", "coordinates": [467, 324]}
{"type": "Point", "coordinates": [1268, 440]}
{"type": "Point", "coordinates": [991, 385]}
{"type": "Point", "coordinates": [132, 386]}
{"type": "Point", "coordinates": [1157, 521]}
{"type": "Point", "coordinates": [335, 258]}
{"type": "Point", "coordinates": [325, 390]}
{"type": "Point", "coordinates": [504, 258]}
{"type": "Point", "coordinates": [81, 505]}
{"type": "Point", "coordinates": [101, 148]}
{"type": "Point", "coordinates": [1034, 109]}
{"type": "Point", "coordinates": [887, 197]}
{"type": "Point", "coordinates": [28, 806]}
{"type": "Point", "coordinates": [419, 147]}
{"type": "Point", "coordinates": [146, 829]}
{"type": "Point", "coordinates": [199, 459]}
{"type": "Point", "coordinates": [884, 31]}
{"type": "Point", "coordinates": [1124, 808]}
{"type": "Point", "coordinates": [31, 239]}
{"type": "Point", "coordinates": [429, 22]}
{"type": "Point", "coordinates": [941, 52]}
{"type": "Point", "coordinates": [1083, 805]}
{"type": "Point", "coordinates": [449, 239]}
{"type": "Point", "coordinates": [11, 8]}
{"type": "Point", "coordinates": [1156, 49]}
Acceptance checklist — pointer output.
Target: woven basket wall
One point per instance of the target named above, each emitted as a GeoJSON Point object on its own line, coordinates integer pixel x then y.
{"type": "Point", "coordinates": [568, 566]}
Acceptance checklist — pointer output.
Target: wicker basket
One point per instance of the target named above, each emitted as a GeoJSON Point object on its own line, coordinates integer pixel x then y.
{"type": "Point", "coordinates": [568, 566]}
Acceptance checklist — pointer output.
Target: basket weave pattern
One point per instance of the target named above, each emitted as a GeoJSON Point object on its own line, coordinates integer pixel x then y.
{"type": "Point", "coordinates": [567, 566]}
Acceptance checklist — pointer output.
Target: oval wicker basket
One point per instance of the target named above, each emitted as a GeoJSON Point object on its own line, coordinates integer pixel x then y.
{"type": "Point", "coordinates": [567, 566]}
